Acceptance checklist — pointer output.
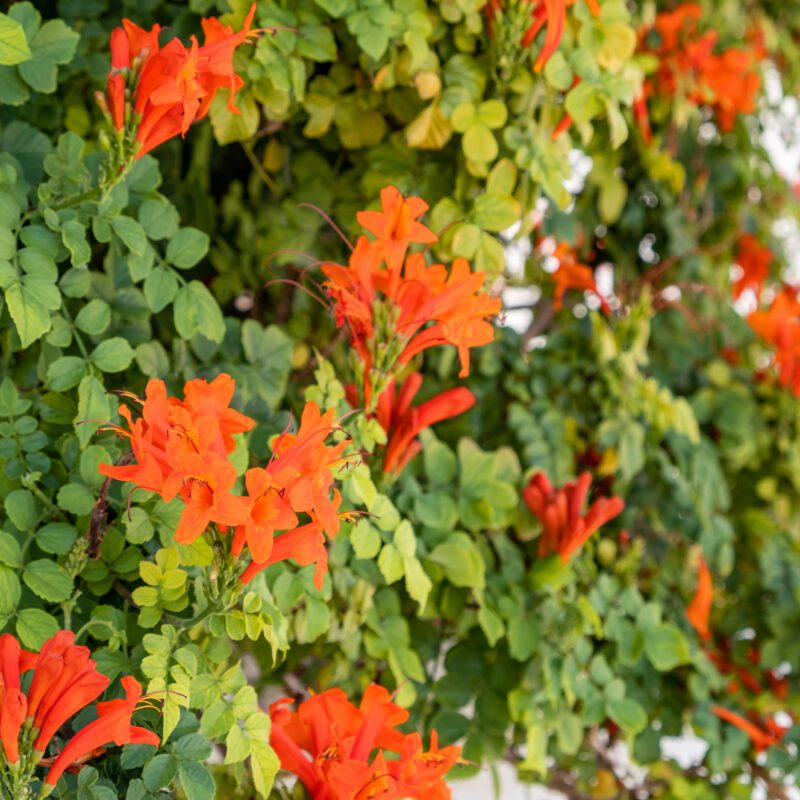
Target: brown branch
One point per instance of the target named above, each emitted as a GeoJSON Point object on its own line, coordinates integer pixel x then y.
{"type": "Point", "coordinates": [99, 515]}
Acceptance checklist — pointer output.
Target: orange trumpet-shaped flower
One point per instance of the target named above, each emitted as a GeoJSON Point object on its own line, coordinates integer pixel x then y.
{"type": "Point", "coordinates": [779, 326]}
{"type": "Point", "coordinates": [182, 446]}
{"type": "Point", "coordinates": [762, 734]}
{"type": "Point", "coordinates": [328, 742]}
{"type": "Point", "coordinates": [403, 422]}
{"type": "Point", "coordinates": [396, 305]}
{"type": "Point", "coordinates": [166, 89]}
{"type": "Point", "coordinates": [65, 680]}
{"type": "Point", "coordinates": [550, 15]}
{"type": "Point", "coordinates": [395, 226]}
{"type": "Point", "coordinates": [572, 275]}
{"type": "Point", "coordinates": [754, 260]}
{"type": "Point", "coordinates": [565, 529]}
{"type": "Point", "coordinates": [113, 724]}
{"type": "Point", "coordinates": [298, 480]}
{"type": "Point", "coordinates": [726, 81]}
{"type": "Point", "coordinates": [206, 494]}
{"type": "Point", "coordinates": [699, 609]}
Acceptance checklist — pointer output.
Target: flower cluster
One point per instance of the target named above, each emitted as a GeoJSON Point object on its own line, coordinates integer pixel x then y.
{"type": "Point", "coordinates": [329, 744]}
{"type": "Point", "coordinates": [403, 422]}
{"type": "Point", "coordinates": [688, 67]}
{"type": "Point", "coordinates": [395, 305]}
{"type": "Point", "coordinates": [64, 680]}
{"type": "Point", "coordinates": [182, 448]}
{"type": "Point", "coordinates": [531, 17]}
{"type": "Point", "coordinates": [763, 732]}
{"type": "Point", "coordinates": [778, 325]}
{"type": "Point", "coordinates": [156, 93]}
{"type": "Point", "coordinates": [565, 529]}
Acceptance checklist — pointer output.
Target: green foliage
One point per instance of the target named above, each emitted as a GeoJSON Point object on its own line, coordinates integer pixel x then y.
{"type": "Point", "coordinates": [192, 264]}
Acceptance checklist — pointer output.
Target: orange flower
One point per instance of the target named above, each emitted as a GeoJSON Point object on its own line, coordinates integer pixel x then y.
{"type": "Point", "coordinates": [762, 734]}
{"type": "Point", "coordinates": [174, 86]}
{"type": "Point", "coordinates": [181, 447]}
{"type": "Point", "coordinates": [206, 494]}
{"type": "Point", "coordinates": [699, 609]}
{"type": "Point", "coordinates": [328, 742]}
{"type": "Point", "coordinates": [403, 423]}
{"type": "Point", "coordinates": [548, 14]}
{"type": "Point", "coordinates": [64, 681]}
{"type": "Point", "coordinates": [396, 308]}
{"type": "Point", "coordinates": [572, 275]}
{"type": "Point", "coordinates": [727, 81]}
{"type": "Point", "coordinates": [113, 724]}
{"type": "Point", "coordinates": [779, 327]}
{"type": "Point", "coordinates": [564, 528]}
{"type": "Point", "coordinates": [395, 226]}
{"type": "Point", "coordinates": [754, 260]}
{"type": "Point", "coordinates": [298, 480]}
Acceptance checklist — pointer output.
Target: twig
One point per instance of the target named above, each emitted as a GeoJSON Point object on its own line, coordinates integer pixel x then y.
{"type": "Point", "coordinates": [99, 516]}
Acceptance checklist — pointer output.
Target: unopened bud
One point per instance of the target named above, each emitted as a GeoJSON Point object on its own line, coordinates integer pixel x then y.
{"type": "Point", "coordinates": [105, 142]}
{"type": "Point", "coordinates": [101, 101]}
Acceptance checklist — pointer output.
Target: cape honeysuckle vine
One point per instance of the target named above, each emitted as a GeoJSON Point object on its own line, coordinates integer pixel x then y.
{"type": "Point", "coordinates": [646, 373]}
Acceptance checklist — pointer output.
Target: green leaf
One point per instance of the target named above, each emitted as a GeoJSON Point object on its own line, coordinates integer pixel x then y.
{"type": "Point", "coordinates": [461, 561]}
{"type": "Point", "coordinates": [94, 317]}
{"type": "Point", "coordinates": [131, 233]}
{"type": "Point", "coordinates": [35, 627]}
{"type": "Point", "coordinates": [491, 625]}
{"type": "Point", "coordinates": [187, 247]}
{"type": "Point", "coordinates": [365, 539]}
{"type": "Point", "coordinates": [479, 143]}
{"type": "Point", "coordinates": [112, 355]}
{"type": "Point", "coordinates": [13, 44]}
{"type": "Point", "coordinates": [196, 311]}
{"type": "Point", "coordinates": [75, 498]}
{"type": "Point", "coordinates": [628, 714]}
{"type": "Point", "coordinates": [583, 103]}
{"type": "Point", "coordinates": [569, 733]}
{"type": "Point", "coordinates": [93, 405]}
{"type": "Point", "coordinates": [196, 781]}
{"type": "Point", "coordinates": [665, 646]}
{"type": "Point", "coordinates": [48, 580]}
{"type": "Point", "coordinates": [229, 127]}
{"type": "Point", "coordinates": [73, 235]}
{"type": "Point", "coordinates": [10, 590]}
{"type": "Point", "coordinates": [29, 305]}
{"type": "Point", "coordinates": [65, 372]}
{"type": "Point", "coordinates": [390, 563]}
{"type": "Point", "coordinates": [264, 764]}
{"type": "Point", "coordinates": [557, 72]}
{"type": "Point", "coordinates": [56, 537]}
{"type": "Point", "coordinates": [160, 771]}
{"type": "Point", "coordinates": [523, 637]}
{"type": "Point", "coordinates": [10, 551]}
{"type": "Point", "coordinates": [159, 218]}
{"type": "Point", "coordinates": [495, 212]}
{"type": "Point", "coordinates": [22, 510]}
{"type": "Point", "coordinates": [160, 288]}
